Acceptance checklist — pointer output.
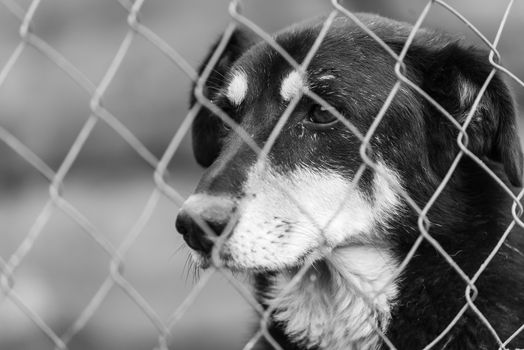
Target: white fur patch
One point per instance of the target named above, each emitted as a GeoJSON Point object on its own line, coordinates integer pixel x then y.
{"type": "Point", "coordinates": [237, 88]}
{"type": "Point", "coordinates": [284, 219]}
{"type": "Point", "coordinates": [342, 311]}
{"type": "Point", "coordinates": [467, 94]}
{"type": "Point", "coordinates": [385, 184]}
{"type": "Point", "coordinates": [291, 85]}
{"type": "Point", "coordinates": [467, 91]}
{"type": "Point", "coordinates": [327, 77]}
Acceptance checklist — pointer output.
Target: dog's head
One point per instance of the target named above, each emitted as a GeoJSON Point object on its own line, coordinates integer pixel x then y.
{"type": "Point", "coordinates": [309, 192]}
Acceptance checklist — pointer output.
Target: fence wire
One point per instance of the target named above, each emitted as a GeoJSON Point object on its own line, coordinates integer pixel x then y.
{"type": "Point", "coordinates": [29, 40]}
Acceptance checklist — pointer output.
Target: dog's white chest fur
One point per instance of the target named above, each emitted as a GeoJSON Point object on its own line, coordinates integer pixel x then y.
{"type": "Point", "coordinates": [342, 311]}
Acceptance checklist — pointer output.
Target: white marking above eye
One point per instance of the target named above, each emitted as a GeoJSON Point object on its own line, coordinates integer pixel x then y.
{"type": "Point", "coordinates": [327, 77]}
{"type": "Point", "coordinates": [291, 85]}
{"type": "Point", "coordinates": [237, 88]}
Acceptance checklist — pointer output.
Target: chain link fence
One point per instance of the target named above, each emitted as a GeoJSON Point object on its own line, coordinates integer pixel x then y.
{"type": "Point", "coordinates": [100, 114]}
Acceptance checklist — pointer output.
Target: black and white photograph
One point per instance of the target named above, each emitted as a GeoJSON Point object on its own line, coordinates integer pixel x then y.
{"type": "Point", "coordinates": [261, 175]}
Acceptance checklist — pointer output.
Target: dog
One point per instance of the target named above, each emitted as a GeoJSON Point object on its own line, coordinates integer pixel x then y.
{"type": "Point", "coordinates": [306, 205]}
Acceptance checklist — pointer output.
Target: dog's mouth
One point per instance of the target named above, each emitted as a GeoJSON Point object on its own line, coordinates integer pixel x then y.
{"type": "Point", "coordinates": [224, 260]}
{"type": "Point", "coordinates": [221, 256]}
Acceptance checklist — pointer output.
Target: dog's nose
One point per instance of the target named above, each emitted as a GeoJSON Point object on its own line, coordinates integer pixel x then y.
{"type": "Point", "coordinates": [194, 235]}
{"type": "Point", "coordinates": [215, 211]}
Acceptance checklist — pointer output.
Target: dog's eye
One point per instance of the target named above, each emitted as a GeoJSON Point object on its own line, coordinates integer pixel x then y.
{"type": "Point", "coordinates": [320, 117]}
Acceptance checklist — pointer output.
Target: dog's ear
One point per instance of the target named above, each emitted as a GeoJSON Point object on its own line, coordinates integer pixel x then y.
{"type": "Point", "coordinates": [454, 78]}
{"type": "Point", "coordinates": [207, 127]}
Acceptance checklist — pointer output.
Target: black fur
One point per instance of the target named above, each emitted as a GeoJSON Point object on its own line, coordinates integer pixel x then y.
{"type": "Point", "coordinates": [207, 128]}
{"type": "Point", "coordinates": [416, 140]}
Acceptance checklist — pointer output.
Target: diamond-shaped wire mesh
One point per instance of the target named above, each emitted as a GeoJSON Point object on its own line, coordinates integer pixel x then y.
{"type": "Point", "coordinates": [98, 112]}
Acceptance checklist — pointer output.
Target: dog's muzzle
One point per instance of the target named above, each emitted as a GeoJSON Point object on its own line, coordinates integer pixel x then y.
{"type": "Point", "coordinates": [201, 210]}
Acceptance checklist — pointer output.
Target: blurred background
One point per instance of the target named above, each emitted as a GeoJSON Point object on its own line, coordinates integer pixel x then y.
{"type": "Point", "coordinates": [110, 184]}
